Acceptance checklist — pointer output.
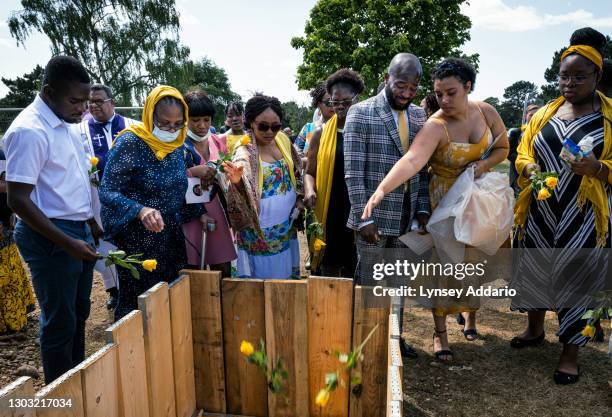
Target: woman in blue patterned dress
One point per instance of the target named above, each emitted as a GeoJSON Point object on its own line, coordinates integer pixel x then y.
{"type": "Point", "coordinates": [143, 194]}
{"type": "Point", "coordinates": [266, 189]}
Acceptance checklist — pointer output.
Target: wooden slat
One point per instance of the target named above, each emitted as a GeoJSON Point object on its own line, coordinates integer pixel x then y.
{"type": "Point", "coordinates": [330, 312]}
{"type": "Point", "coordinates": [287, 338]}
{"type": "Point", "coordinates": [182, 347]}
{"type": "Point", "coordinates": [155, 307]}
{"type": "Point", "coordinates": [132, 386]}
{"type": "Point", "coordinates": [394, 331]}
{"type": "Point", "coordinates": [207, 340]}
{"type": "Point", "coordinates": [67, 386]}
{"type": "Point", "coordinates": [21, 388]}
{"type": "Point", "coordinates": [244, 319]}
{"type": "Point", "coordinates": [99, 375]}
{"type": "Point", "coordinates": [371, 401]}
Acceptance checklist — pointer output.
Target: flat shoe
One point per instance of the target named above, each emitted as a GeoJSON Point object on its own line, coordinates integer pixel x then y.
{"type": "Point", "coordinates": [563, 378]}
{"type": "Point", "coordinates": [470, 334]}
{"type": "Point", "coordinates": [519, 343]}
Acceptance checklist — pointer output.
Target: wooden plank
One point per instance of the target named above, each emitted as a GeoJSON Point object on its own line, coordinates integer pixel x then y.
{"type": "Point", "coordinates": [20, 389]}
{"type": "Point", "coordinates": [207, 327]}
{"type": "Point", "coordinates": [67, 387]}
{"type": "Point", "coordinates": [287, 338]}
{"type": "Point", "coordinates": [99, 375]}
{"type": "Point", "coordinates": [395, 354]}
{"type": "Point", "coordinates": [132, 387]}
{"type": "Point", "coordinates": [394, 331]}
{"type": "Point", "coordinates": [244, 319]}
{"type": "Point", "coordinates": [371, 400]}
{"type": "Point", "coordinates": [330, 312]}
{"type": "Point", "coordinates": [155, 307]}
{"type": "Point", "coordinates": [182, 347]}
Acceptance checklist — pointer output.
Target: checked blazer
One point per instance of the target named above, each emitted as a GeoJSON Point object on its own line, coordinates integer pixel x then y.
{"type": "Point", "coordinates": [371, 147]}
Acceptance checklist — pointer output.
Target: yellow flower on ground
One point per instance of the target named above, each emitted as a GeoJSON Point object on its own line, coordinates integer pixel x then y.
{"type": "Point", "coordinates": [318, 245]}
{"type": "Point", "coordinates": [543, 194]}
{"type": "Point", "coordinates": [245, 140]}
{"type": "Point", "coordinates": [551, 182]}
{"type": "Point", "coordinates": [588, 331]}
{"type": "Point", "coordinates": [322, 398]}
{"type": "Point", "coordinates": [94, 161]}
{"type": "Point", "coordinates": [149, 265]}
{"type": "Point", "coordinates": [246, 348]}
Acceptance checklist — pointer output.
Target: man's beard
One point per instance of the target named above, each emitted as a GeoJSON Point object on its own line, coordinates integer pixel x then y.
{"type": "Point", "coordinates": [394, 105]}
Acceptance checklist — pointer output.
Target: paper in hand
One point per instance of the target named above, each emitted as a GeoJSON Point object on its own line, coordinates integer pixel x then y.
{"type": "Point", "coordinates": [195, 193]}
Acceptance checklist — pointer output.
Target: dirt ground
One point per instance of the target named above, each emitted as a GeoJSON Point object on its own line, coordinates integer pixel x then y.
{"type": "Point", "coordinates": [487, 377]}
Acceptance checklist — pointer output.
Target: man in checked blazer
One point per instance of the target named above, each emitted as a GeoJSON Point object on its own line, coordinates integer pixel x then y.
{"type": "Point", "coordinates": [377, 134]}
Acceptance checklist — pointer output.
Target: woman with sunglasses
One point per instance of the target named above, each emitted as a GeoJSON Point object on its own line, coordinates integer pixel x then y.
{"type": "Point", "coordinates": [334, 253]}
{"type": "Point", "coordinates": [563, 265]}
{"type": "Point", "coordinates": [143, 194]}
{"type": "Point", "coordinates": [265, 195]}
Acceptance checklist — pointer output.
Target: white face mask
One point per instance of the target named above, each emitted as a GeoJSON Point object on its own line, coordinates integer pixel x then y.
{"type": "Point", "coordinates": [164, 136]}
{"type": "Point", "coordinates": [196, 137]}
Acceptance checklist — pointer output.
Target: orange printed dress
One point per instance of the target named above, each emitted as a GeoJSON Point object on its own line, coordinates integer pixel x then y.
{"type": "Point", "coordinates": [446, 164]}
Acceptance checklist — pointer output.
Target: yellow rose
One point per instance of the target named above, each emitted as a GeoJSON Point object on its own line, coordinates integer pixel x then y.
{"type": "Point", "coordinates": [94, 161]}
{"type": "Point", "coordinates": [318, 245]}
{"type": "Point", "coordinates": [543, 194]}
{"type": "Point", "coordinates": [322, 398]}
{"type": "Point", "coordinates": [245, 140]}
{"type": "Point", "coordinates": [588, 331]}
{"type": "Point", "coordinates": [246, 348]}
{"type": "Point", "coordinates": [551, 182]}
{"type": "Point", "coordinates": [149, 265]}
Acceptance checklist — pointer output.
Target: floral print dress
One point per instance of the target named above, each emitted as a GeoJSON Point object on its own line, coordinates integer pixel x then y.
{"type": "Point", "coordinates": [273, 253]}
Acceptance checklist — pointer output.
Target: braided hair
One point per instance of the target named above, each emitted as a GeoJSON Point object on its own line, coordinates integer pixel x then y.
{"type": "Point", "coordinates": [317, 94]}
{"type": "Point", "coordinates": [235, 106]}
{"type": "Point", "coordinates": [260, 103]}
{"type": "Point", "coordinates": [455, 67]}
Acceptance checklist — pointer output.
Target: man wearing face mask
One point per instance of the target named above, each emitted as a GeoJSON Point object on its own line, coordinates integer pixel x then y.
{"type": "Point", "coordinates": [98, 131]}
{"type": "Point", "coordinates": [378, 132]}
{"type": "Point", "coordinates": [48, 188]}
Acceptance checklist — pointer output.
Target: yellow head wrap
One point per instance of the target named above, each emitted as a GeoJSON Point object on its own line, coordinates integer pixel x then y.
{"type": "Point", "coordinates": [144, 129]}
{"type": "Point", "coordinates": [590, 188]}
{"type": "Point", "coordinates": [586, 51]}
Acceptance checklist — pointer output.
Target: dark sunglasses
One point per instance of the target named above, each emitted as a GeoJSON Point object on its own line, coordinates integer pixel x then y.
{"type": "Point", "coordinates": [264, 127]}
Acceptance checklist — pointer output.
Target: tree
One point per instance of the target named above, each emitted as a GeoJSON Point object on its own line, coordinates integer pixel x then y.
{"type": "Point", "coordinates": [516, 95]}
{"type": "Point", "coordinates": [493, 101]}
{"type": "Point", "coordinates": [296, 116]}
{"type": "Point", "coordinates": [129, 45]}
{"type": "Point", "coordinates": [365, 34]}
{"type": "Point", "coordinates": [207, 76]}
{"type": "Point", "coordinates": [22, 90]}
{"type": "Point", "coordinates": [550, 91]}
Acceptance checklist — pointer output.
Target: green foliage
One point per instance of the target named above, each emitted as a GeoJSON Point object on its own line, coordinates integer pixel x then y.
{"type": "Point", "coordinates": [365, 34]}
{"type": "Point", "coordinates": [296, 116]}
{"type": "Point", "coordinates": [276, 375]}
{"type": "Point", "coordinates": [130, 45]}
{"type": "Point", "coordinates": [22, 90]}
{"type": "Point", "coordinates": [206, 75]}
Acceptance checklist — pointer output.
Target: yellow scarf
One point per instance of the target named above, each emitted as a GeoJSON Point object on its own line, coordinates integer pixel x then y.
{"type": "Point", "coordinates": [284, 144]}
{"type": "Point", "coordinates": [144, 129]}
{"type": "Point", "coordinates": [326, 159]}
{"type": "Point", "coordinates": [586, 51]}
{"type": "Point", "coordinates": [591, 188]}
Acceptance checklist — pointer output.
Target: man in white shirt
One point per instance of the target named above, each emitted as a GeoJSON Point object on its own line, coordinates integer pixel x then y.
{"type": "Point", "coordinates": [48, 187]}
{"type": "Point", "coordinates": [98, 131]}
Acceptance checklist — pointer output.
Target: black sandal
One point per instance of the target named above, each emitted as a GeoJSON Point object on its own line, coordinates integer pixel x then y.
{"type": "Point", "coordinates": [470, 334]}
{"type": "Point", "coordinates": [519, 343]}
{"type": "Point", "coordinates": [443, 352]}
{"type": "Point", "coordinates": [563, 378]}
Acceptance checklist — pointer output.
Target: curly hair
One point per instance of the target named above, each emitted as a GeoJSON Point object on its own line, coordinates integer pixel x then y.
{"type": "Point", "coordinates": [317, 94]}
{"type": "Point", "coordinates": [455, 67]}
{"type": "Point", "coordinates": [432, 103]}
{"type": "Point", "coordinates": [236, 106]}
{"type": "Point", "coordinates": [260, 103]}
{"type": "Point", "coordinates": [347, 78]}
{"type": "Point", "coordinates": [199, 104]}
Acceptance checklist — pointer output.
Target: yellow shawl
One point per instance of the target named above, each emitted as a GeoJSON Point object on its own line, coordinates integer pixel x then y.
{"type": "Point", "coordinates": [144, 129]}
{"type": "Point", "coordinates": [284, 144]}
{"type": "Point", "coordinates": [591, 188]}
{"type": "Point", "coordinates": [326, 158]}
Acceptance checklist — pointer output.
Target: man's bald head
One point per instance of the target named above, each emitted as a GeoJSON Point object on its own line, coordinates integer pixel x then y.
{"type": "Point", "coordinates": [405, 65]}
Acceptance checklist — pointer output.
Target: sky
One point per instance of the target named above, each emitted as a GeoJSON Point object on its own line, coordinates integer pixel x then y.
{"type": "Point", "coordinates": [516, 40]}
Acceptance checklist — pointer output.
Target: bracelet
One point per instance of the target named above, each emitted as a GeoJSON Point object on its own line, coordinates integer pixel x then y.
{"type": "Point", "coordinates": [601, 165]}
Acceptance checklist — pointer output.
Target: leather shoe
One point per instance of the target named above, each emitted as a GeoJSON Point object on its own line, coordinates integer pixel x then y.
{"type": "Point", "coordinates": [519, 343]}
{"type": "Point", "coordinates": [407, 350]}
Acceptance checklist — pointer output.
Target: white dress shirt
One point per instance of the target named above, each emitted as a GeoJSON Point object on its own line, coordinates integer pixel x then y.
{"type": "Point", "coordinates": [46, 152]}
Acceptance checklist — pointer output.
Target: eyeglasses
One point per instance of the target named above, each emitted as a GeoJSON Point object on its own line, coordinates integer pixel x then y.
{"type": "Point", "coordinates": [167, 127]}
{"type": "Point", "coordinates": [264, 127]}
{"type": "Point", "coordinates": [578, 79]}
{"type": "Point", "coordinates": [347, 102]}
{"type": "Point", "coordinates": [98, 103]}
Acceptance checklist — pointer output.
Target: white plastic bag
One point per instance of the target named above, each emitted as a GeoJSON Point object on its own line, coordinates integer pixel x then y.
{"type": "Point", "coordinates": [476, 212]}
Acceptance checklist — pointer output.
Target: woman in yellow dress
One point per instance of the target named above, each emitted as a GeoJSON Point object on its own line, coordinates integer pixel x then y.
{"type": "Point", "coordinates": [454, 137]}
{"type": "Point", "coordinates": [16, 295]}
